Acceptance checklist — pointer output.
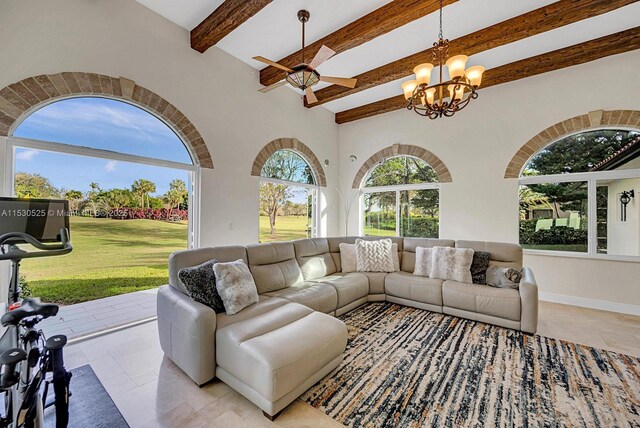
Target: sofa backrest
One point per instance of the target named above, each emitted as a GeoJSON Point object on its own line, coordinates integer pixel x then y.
{"type": "Point", "coordinates": [334, 246]}
{"type": "Point", "coordinates": [314, 258]}
{"type": "Point", "coordinates": [408, 262]}
{"type": "Point", "coordinates": [188, 258]}
{"type": "Point", "coordinates": [273, 266]}
{"type": "Point", "coordinates": [502, 254]}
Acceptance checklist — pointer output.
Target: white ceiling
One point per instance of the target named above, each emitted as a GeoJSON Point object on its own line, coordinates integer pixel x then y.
{"type": "Point", "coordinates": [274, 32]}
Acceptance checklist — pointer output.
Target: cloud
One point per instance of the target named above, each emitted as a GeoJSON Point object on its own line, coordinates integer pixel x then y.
{"type": "Point", "coordinates": [110, 165]}
{"type": "Point", "coordinates": [26, 154]}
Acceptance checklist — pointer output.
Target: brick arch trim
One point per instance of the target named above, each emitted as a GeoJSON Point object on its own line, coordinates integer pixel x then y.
{"type": "Point", "coordinates": [444, 176]}
{"type": "Point", "coordinates": [592, 120]}
{"type": "Point", "coordinates": [295, 145]}
{"type": "Point", "coordinates": [22, 98]}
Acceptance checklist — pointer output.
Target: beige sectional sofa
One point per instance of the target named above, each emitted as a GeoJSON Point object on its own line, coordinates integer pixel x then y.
{"type": "Point", "coordinates": [275, 349]}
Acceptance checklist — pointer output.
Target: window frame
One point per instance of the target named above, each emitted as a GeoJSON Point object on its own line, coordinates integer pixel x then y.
{"type": "Point", "coordinates": [591, 179]}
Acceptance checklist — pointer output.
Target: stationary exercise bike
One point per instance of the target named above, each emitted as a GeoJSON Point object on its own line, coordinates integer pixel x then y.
{"type": "Point", "coordinates": [26, 355]}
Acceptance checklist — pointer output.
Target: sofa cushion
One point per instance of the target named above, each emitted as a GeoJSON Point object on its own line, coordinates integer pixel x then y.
{"type": "Point", "coordinates": [452, 263]}
{"type": "Point", "coordinates": [235, 285]}
{"type": "Point", "coordinates": [200, 282]}
{"type": "Point", "coordinates": [314, 258]}
{"type": "Point", "coordinates": [502, 254]}
{"type": "Point", "coordinates": [273, 266]}
{"type": "Point", "coordinates": [408, 260]}
{"type": "Point", "coordinates": [334, 246]}
{"type": "Point", "coordinates": [317, 296]}
{"type": "Point", "coordinates": [374, 256]}
{"type": "Point", "coordinates": [497, 302]}
{"type": "Point", "coordinates": [188, 258]}
{"type": "Point", "coordinates": [276, 351]}
{"type": "Point", "coordinates": [265, 304]}
{"type": "Point", "coordinates": [350, 287]}
{"type": "Point", "coordinates": [417, 288]}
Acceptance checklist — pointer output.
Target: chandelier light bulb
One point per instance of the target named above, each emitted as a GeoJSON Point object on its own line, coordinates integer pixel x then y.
{"type": "Point", "coordinates": [408, 87]}
{"type": "Point", "coordinates": [474, 74]}
{"type": "Point", "coordinates": [456, 65]}
{"type": "Point", "coordinates": [423, 73]}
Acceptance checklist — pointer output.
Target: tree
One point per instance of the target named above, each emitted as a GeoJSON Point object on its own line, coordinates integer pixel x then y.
{"type": "Point", "coordinates": [176, 194]}
{"type": "Point", "coordinates": [34, 186]}
{"type": "Point", "coordinates": [74, 197]}
{"type": "Point", "coordinates": [117, 198]}
{"type": "Point", "coordinates": [142, 188]}
{"type": "Point", "coordinates": [272, 197]}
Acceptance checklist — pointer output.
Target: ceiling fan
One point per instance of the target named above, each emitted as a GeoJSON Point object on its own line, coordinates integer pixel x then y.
{"type": "Point", "coordinates": [303, 76]}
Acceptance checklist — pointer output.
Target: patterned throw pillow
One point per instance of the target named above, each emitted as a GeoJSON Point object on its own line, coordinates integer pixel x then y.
{"type": "Point", "coordinates": [200, 282]}
{"type": "Point", "coordinates": [424, 258]}
{"type": "Point", "coordinates": [479, 267]}
{"type": "Point", "coordinates": [501, 277]}
{"type": "Point", "coordinates": [235, 285]}
{"type": "Point", "coordinates": [374, 256]}
{"type": "Point", "coordinates": [452, 263]}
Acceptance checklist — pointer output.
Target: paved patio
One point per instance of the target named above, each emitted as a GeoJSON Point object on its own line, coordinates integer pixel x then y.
{"type": "Point", "coordinates": [102, 314]}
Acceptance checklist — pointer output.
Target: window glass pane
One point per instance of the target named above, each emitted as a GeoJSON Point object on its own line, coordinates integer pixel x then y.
{"type": "Point", "coordinates": [584, 152]}
{"type": "Point", "coordinates": [419, 213]}
{"type": "Point", "coordinates": [554, 216]}
{"type": "Point", "coordinates": [105, 124]}
{"type": "Point", "coordinates": [380, 214]}
{"type": "Point", "coordinates": [285, 212]}
{"type": "Point", "coordinates": [401, 170]}
{"type": "Point", "coordinates": [619, 223]}
{"type": "Point", "coordinates": [289, 166]}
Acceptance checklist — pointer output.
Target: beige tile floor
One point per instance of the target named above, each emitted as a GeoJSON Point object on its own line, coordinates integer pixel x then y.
{"type": "Point", "coordinates": [151, 391]}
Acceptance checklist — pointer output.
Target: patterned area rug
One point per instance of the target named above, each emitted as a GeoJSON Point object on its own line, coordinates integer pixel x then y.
{"type": "Point", "coordinates": [407, 367]}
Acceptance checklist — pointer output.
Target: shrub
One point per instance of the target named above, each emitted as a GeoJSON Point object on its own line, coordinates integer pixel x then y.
{"type": "Point", "coordinates": [553, 236]}
{"type": "Point", "coordinates": [149, 214]}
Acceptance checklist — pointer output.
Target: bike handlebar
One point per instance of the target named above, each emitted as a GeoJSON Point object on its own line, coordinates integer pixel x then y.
{"type": "Point", "coordinates": [57, 249]}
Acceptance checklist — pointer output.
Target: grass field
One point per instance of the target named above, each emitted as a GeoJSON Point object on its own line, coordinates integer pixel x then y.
{"type": "Point", "coordinates": [287, 228]}
{"type": "Point", "coordinates": [109, 257]}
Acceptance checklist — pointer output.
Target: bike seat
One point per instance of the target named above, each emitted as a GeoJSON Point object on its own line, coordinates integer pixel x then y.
{"type": "Point", "coordinates": [29, 308]}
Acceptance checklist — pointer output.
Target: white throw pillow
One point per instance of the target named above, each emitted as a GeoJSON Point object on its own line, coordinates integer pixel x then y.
{"type": "Point", "coordinates": [424, 258]}
{"type": "Point", "coordinates": [452, 263]}
{"type": "Point", "coordinates": [235, 286]}
{"type": "Point", "coordinates": [348, 257]}
{"type": "Point", "coordinates": [374, 256]}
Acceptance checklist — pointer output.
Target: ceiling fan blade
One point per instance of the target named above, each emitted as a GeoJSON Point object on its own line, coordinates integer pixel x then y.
{"type": "Point", "coordinates": [272, 87]}
{"type": "Point", "coordinates": [272, 63]}
{"type": "Point", "coordinates": [311, 97]}
{"type": "Point", "coordinates": [323, 54]}
{"type": "Point", "coordinates": [342, 81]}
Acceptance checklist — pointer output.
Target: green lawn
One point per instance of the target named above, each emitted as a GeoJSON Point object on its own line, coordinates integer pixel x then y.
{"type": "Point", "coordinates": [372, 231]}
{"type": "Point", "coordinates": [109, 257]}
{"type": "Point", "coordinates": [287, 228]}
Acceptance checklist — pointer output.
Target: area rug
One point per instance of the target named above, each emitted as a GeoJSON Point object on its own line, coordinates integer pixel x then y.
{"type": "Point", "coordinates": [90, 405]}
{"type": "Point", "coordinates": [407, 367]}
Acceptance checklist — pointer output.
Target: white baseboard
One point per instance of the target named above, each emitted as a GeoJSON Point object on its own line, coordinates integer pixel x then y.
{"type": "Point", "coordinates": [603, 305]}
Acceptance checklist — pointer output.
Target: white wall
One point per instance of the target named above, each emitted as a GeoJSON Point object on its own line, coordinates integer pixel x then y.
{"type": "Point", "coordinates": [214, 90]}
{"type": "Point", "coordinates": [478, 143]}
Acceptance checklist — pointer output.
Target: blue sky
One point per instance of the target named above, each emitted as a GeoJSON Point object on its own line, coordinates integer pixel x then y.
{"type": "Point", "coordinates": [103, 124]}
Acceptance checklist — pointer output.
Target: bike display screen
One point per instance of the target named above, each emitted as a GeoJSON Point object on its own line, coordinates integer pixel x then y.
{"type": "Point", "coordinates": [40, 218]}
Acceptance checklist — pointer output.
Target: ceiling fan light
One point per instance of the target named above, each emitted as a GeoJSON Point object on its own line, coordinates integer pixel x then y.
{"type": "Point", "coordinates": [474, 74]}
{"type": "Point", "coordinates": [408, 87]}
{"type": "Point", "coordinates": [456, 65]}
{"type": "Point", "coordinates": [423, 73]}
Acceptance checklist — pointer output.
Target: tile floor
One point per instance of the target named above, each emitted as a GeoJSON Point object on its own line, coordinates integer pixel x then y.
{"type": "Point", "coordinates": [151, 391]}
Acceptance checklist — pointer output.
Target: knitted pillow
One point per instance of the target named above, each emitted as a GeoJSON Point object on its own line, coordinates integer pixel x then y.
{"type": "Point", "coordinates": [348, 257]}
{"type": "Point", "coordinates": [452, 263]}
{"type": "Point", "coordinates": [235, 285]}
{"type": "Point", "coordinates": [374, 256]}
{"type": "Point", "coordinates": [200, 282]}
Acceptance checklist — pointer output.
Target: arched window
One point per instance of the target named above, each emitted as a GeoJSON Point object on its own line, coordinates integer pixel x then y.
{"type": "Point", "coordinates": [129, 180]}
{"type": "Point", "coordinates": [579, 194]}
{"type": "Point", "coordinates": [288, 194]}
{"type": "Point", "coordinates": [401, 197]}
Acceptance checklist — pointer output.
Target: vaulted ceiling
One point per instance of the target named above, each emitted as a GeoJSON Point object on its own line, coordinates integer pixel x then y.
{"type": "Point", "coordinates": [380, 41]}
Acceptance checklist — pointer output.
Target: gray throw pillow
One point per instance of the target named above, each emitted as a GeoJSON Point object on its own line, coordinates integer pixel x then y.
{"type": "Point", "coordinates": [502, 277]}
{"type": "Point", "coordinates": [200, 282]}
{"type": "Point", "coordinates": [479, 267]}
{"type": "Point", "coordinates": [235, 285]}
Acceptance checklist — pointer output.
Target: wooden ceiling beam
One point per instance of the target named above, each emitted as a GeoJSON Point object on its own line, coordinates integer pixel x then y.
{"type": "Point", "coordinates": [226, 18]}
{"type": "Point", "coordinates": [537, 21]}
{"type": "Point", "coordinates": [381, 21]}
{"type": "Point", "coordinates": [581, 53]}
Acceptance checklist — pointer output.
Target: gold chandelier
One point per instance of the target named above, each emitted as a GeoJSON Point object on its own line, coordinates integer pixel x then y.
{"type": "Point", "coordinates": [444, 98]}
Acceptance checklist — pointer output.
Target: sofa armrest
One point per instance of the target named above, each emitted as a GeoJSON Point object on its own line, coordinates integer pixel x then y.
{"type": "Point", "coordinates": [528, 302]}
{"type": "Point", "coordinates": [187, 333]}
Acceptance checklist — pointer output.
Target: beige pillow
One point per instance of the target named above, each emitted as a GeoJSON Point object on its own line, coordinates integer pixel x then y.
{"type": "Point", "coordinates": [374, 256]}
{"type": "Point", "coordinates": [424, 258]}
{"type": "Point", "coordinates": [235, 285]}
{"type": "Point", "coordinates": [348, 257]}
{"type": "Point", "coordinates": [452, 263]}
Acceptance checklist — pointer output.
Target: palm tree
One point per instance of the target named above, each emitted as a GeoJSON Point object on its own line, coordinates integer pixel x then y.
{"type": "Point", "coordinates": [143, 188]}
